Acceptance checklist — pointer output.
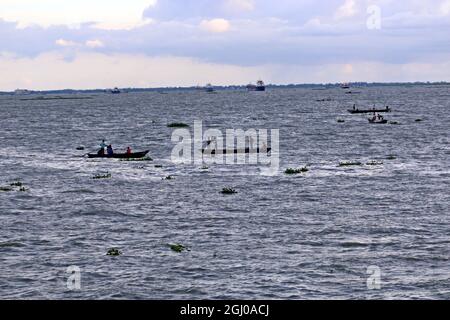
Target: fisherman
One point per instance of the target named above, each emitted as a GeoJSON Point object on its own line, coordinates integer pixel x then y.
{"type": "Point", "coordinates": [128, 150]}
{"type": "Point", "coordinates": [103, 145]}
{"type": "Point", "coordinates": [110, 150]}
{"type": "Point", "coordinates": [354, 107]}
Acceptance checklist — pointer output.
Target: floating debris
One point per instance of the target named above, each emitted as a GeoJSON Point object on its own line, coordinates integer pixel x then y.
{"type": "Point", "coordinates": [391, 157]}
{"type": "Point", "coordinates": [418, 120]}
{"type": "Point", "coordinates": [169, 178]}
{"type": "Point", "coordinates": [114, 252]}
{"type": "Point", "coordinates": [349, 163]}
{"type": "Point", "coordinates": [178, 247]}
{"type": "Point", "coordinates": [292, 171]}
{"type": "Point", "coordinates": [158, 166]}
{"type": "Point", "coordinates": [102, 176]}
{"type": "Point", "coordinates": [228, 191]}
{"type": "Point", "coordinates": [80, 148]}
{"type": "Point", "coordinates": [205, 168]}
{"type": "Point", "coordinates": [374, 163]}
{"type": "Point", "coordinates": [394, 122]}
{"type": "Point", "coordinates": [177, 125]}
{"type": "Point", "coordinates": [137, 159]}
{"type": "Point", "coordinates": [340, 120]}
{"type": "Point", "coordinates": [14, 186]}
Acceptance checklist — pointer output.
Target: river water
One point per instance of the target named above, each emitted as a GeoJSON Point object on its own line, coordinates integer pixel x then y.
{"type": "Point", "coordinates": [323, 234]}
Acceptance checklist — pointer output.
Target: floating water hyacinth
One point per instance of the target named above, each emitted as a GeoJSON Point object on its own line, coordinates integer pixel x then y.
{"type": "Point", "coordinates": [114, 252]}
{"type": "Point", "coordinates": [102, 176]}
{"type": "Point", "coordinates": [228, 191]}
{"type": "Point", "coordinates": [349, 163]}
{"type": "Point", "coordinates": [177, 125]}
{"type": "Point", "coordinates": [374, 163]}
{"type": "Point", "coordinates": [178, 247]}
{"type": "Point", "coordinates": [292, 171]}
{"type": "Point", "coordinates": [137, 159]}
{"type": "Point", "coordinates": [14, 186]}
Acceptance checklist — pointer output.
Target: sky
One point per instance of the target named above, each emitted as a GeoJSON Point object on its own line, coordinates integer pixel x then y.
{"type": "Point", "coordinates": [83, 44]}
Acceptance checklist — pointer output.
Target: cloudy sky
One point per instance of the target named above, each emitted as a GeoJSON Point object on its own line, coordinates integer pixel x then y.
{"type": "Point", "coordinates": [55, 44]}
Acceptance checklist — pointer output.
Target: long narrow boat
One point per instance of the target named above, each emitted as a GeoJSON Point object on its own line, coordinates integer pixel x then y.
{"type": "Point", "coordinates": [378, 121]}
{"type": "Point", "coordinates": [237, 151]}
{"type": "Point", "coordinates": [135, 155]}
{"type": "Point", "coordinates": [356, 111]}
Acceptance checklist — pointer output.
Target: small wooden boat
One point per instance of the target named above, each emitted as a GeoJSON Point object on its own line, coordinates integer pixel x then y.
{"type": "Point", "coordinates": [378, 121]}
{"type": "Point", "coordinates": [134, 155]}
{"type": "Point", "coordinates": [357, 111]}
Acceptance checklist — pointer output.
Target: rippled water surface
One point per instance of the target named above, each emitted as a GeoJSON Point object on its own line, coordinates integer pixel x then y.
{"type": "Point", "coordinates": [309, 236]}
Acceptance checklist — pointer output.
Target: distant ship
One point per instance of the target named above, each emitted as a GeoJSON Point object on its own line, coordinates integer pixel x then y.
{"type": "Point", "coordinates": [260, 86]}
{"type": "Point", "coordinates": [345, 86]}
{"type": "Point", "coordinates": [209, 88]}
{"type": "Point", "coordinates": [115, 91]}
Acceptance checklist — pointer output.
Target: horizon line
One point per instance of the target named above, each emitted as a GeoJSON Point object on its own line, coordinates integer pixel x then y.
{"type": "Point", "coordinates": [330, 84]}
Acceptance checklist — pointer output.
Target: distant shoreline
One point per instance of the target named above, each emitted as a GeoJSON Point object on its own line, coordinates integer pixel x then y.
{"type": "Point", "coordinates": [235, 87]}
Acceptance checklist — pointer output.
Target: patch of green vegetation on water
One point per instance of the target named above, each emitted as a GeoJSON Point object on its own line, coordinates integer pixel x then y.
{"type": "Point", "coordinates": [228, 191]}
{"type": "Point", "coordinates": [137, 159]}
{"type": "Point", "coordinates": [292, 171]}
{"type": "Point", "coordinates": [176, 247]}
{"type": "Point", "coordinates": [114, 252]}
{"type": "Point", "coordinates": [374, 163]}
{"type": "Point", "coordinates": [102, 176]}
{"type": "Point", "coordinates": [14, 186]}
{"type": "Point", "coordinates": [349, 163]}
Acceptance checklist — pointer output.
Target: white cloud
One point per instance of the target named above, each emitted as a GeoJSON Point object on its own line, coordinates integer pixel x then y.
{"type": "Point", "coordinates": [94, 43]}
{"type": "Point", "coordinates": [240, 5]}
{"type": "Point", "coordinates": [66, 43]}
{"type": "Point", "coordinates": [215, 25]}
{"type": "Point", "coordinates": [346, 10]}
{"type": "Point", "coordinates": [105, 14]}
{"type": "Point", "coordinates": [445, 7]}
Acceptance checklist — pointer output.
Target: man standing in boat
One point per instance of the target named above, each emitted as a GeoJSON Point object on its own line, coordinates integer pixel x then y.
{"type": "Point", "coordinates": [103, 145]}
